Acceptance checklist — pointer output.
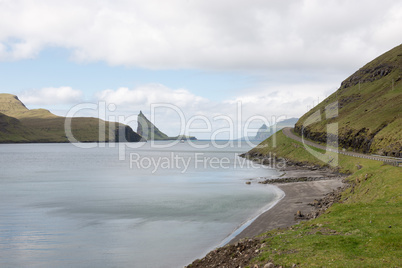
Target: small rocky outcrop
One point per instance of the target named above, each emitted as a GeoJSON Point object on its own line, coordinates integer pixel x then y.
{"type": "Point", "coordinates": [239, 254]}
{"type": "Point", "coordinates": [368, 74]}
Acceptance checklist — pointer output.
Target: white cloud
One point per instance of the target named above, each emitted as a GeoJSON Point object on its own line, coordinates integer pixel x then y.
{"type": "Point", "coordinates": [271, 102]}
{"type": "Point", "coordinates": [235, 34]}
{"type": "Point", "coordinates": [128, 103]}
{"type": "Point", "coordinates": [295, 50]}
{"type": "Point", "coordinates": [51, 96]}
{"type": "Point", "coordinates": [145, 95]}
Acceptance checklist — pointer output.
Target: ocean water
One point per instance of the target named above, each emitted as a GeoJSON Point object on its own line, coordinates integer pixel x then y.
{"type": "Point", "coordinates": [116, 206]}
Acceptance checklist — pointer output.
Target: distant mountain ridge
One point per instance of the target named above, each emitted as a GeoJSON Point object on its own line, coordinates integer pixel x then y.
{"type": "Point", "coordinates": [19, 124]}
{"type": "Point", "coordinates": [265, 132]}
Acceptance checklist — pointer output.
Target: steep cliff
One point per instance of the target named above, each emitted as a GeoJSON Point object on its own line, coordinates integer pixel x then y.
{"type": "Point", "coordinates": [369, 104]}
{"type": "Point", "coordinates": [149, 131]}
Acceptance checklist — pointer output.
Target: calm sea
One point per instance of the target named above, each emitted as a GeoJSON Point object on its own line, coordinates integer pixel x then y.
{"type": "Point", "coordinates": [63, 206]}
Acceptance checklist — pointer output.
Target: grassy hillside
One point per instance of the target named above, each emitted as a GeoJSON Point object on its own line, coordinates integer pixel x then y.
{"type": "Point", "coordinates": [370, 108]}
{"type": "Point", "coordinates": [363, 230]}
{"type": "Point", "coordinates": [12, 130]}
{"type": "Point", "coordinates": [19, 124]}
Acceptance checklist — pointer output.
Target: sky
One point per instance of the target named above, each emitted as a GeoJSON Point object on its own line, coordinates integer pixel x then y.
{"type": "Point", "coordinates": [192, 66]}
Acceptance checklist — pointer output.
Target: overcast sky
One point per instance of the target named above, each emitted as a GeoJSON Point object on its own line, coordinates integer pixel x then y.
{"type": "Point", "coordinates": [276, 58]}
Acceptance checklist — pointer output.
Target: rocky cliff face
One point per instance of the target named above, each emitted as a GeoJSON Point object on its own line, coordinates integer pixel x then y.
{"type": "Point", "coordinates": [368, 74]}
{"type": "Point", "coordinates": [125, 133]}
{"type": "Point", "coordinates": [148, 130]}
{"type": "Point", "coordinates": [369, 109]}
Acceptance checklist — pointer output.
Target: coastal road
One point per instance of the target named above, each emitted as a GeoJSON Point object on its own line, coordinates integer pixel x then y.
{"type": "Point", "coordinates": [389, 160]}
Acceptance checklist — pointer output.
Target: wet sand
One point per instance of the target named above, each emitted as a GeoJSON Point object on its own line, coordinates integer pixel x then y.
{"type": "Point", "coordinates": [297, 197]}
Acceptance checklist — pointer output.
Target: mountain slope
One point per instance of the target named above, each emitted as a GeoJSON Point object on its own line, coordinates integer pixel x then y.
{"type": "Point", "coordinates": [149, 131]}
{"type": "Point", "coordinates": [19, 124]}
{"type": "Point", "coordinates": [370, 109]}
{"type": "Point", "coordinates": [12, 130]}
{"type": "Point", "coordinates": [361, 229]}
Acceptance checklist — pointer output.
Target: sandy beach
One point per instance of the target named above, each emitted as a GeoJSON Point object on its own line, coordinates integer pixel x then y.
{"type": "Point", "coordinates": [297, 197]}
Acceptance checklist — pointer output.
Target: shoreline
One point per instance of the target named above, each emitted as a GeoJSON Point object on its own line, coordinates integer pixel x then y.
{"type": "Point", "coordinates": [312, 195]}
{"type": "Point", "coordinates": [301, 187]}
{"type": "Point", "coordinates": [250, 221]}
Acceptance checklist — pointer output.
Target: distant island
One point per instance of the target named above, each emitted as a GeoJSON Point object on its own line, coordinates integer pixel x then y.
{"type": "Point", "coordinates": [18, 124]}
{"type": "Point", "coordinates": [264, 132]}
{"type": "Point", "coordinates": [149, 131]}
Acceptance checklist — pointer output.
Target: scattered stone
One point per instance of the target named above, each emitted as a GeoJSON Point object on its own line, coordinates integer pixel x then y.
{"type": "Point", "coordinates": [321, 205]}
{"type": "Point", "coordinates": [296, 179]}
{"type": "Point", "coordinates": [239, 254]}
{"type": "Point", "coordinates": [269, 265]}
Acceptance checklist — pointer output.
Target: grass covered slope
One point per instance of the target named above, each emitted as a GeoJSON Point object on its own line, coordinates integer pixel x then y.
{"type": "Point", "coordinates": [12, 130]}
{"type": "Point", "coordinates": [370, 109]}
{"type": "Point", "coordinates": [363, 230]}
{"type": "Point", "coordinates": [19, 124]}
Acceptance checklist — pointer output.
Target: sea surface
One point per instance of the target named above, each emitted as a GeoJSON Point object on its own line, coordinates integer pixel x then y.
{"type": "Point", "coordinates": [120, 205]}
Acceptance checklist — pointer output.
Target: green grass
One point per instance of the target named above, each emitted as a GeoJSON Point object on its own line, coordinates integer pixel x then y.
{"type": "Point", "coordinates": [281, 146]}
{"type": "Point", "coordinates": [12, 130]}
{"type": "Point", "coordinates": [19, 124]}
{"type": "Point", "coordinates": [364, 230]}
{"type": "Point", "coordinates": [368, 111]}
